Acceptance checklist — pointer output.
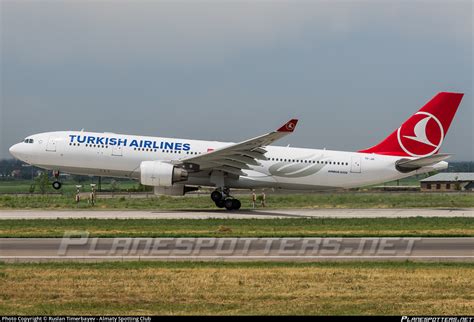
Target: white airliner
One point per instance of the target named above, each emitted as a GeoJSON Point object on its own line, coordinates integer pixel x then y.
{"type": "Point", "coordinates": [177, 166]}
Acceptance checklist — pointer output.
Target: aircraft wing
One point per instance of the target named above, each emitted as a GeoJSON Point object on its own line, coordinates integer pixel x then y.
{"type": "Point", "coordinates": [235, 157]}
{"type": "Point", "coordinates": [407, 165]}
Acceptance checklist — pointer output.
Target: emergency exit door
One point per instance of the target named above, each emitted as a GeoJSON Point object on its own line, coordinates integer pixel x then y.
{"type": "Point", "coordinates": [355, 165]}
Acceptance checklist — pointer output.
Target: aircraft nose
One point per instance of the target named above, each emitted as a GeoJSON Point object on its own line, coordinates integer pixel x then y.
{"type": "Point", "coordinates": [14, 150]}
{"type": "Point", "coordinates": [20, 152]}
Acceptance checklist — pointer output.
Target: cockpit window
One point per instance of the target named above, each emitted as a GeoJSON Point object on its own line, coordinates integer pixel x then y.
{"type": "Point", "coordinates": [28, 141]}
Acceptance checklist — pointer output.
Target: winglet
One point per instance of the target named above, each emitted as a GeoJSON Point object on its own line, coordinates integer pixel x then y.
{"type": "Point", "coordinates": [289, 126]}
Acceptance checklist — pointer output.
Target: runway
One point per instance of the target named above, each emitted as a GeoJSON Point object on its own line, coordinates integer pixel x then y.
{"type": "Point", "coordinates": [242, 214]}
{"type": "Point", "coordinates": [83, 248]}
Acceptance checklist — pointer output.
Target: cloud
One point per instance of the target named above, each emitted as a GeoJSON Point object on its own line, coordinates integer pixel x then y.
{"type": "Point", "coordinates": [140, 66]}
{"type": "Point", "coordinates": [202, 32]}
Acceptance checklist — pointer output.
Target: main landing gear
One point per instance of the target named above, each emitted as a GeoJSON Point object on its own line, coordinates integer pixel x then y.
{"type": "Point", "coordinates": [222, 199]}
{"type": "Point", "coordinates": [56, 184]}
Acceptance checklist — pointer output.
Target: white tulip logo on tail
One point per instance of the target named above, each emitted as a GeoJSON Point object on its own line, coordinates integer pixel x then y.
{"type": "Point", "coordinates": [422, 135]}
{"type": "Point", "coordinates": [290, 126]}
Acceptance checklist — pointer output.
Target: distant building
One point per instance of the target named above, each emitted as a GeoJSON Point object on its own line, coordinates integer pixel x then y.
{"type": "Point", "coordinates": [16, 173]}
{"type": "Point", "coordinates": [449, 181]}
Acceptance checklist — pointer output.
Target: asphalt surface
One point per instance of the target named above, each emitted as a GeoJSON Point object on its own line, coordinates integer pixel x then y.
{"type": "Point", "coordinates": [82, 248]}
{"type": "Point", "coordinates": [261, 213]}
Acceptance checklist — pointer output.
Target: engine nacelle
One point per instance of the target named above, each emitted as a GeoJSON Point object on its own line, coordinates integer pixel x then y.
{"type": "Point", "coordinates": [161, 174]}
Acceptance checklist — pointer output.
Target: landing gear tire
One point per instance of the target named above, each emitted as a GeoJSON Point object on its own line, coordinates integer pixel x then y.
{"type": "Point", "coordinates": [236, 204]}
{"type": "Point", "coordinates": [232, 204]}
{"type": "Point", "coordinates": [222, 199]}
{"type": "Point", "coordinates": [57, 185]}
{"type": "Point", "coordinates": [216, 196]}
{"type": "Point", "coordinates": [220, 203]}
{"type": "Point", "coordinates": [229, 204]}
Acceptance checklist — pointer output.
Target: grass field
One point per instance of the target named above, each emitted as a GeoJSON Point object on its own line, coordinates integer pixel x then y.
{"type": "Point", "coordinates": [138, 288]}
{"type": "Point", "coordinates": [275, 201]}
{"type": "Point", "coordinates": [292, 227]}
{"type": "Point", "coordinates": [69, 185]}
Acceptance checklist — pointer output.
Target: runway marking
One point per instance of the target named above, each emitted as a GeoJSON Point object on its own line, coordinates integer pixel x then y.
{"type": "Point", "coordinates": [245, 214]}
{"type": "Point", "coordinates": [246, 249]}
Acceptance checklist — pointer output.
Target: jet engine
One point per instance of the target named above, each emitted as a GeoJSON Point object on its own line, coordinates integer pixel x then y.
{"type": "Point", "coordinates": [161, 174]}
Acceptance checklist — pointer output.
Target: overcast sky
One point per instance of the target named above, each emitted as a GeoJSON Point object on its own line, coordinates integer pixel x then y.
{"type": "Point", "coordinates": [351, 71]}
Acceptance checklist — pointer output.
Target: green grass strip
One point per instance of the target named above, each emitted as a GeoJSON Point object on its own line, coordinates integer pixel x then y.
{"type": "Point", "coordinates": [287, 227]}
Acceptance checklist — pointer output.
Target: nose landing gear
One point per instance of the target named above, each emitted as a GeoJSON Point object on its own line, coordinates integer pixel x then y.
{"type": "Point", "coordinates": [223, 199]}
{"type": "Point", "coordinates": [56, 184]}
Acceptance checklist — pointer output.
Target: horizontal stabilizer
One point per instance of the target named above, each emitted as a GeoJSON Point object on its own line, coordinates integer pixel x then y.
{"type": "Point", "coordinates": [407, 165]}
